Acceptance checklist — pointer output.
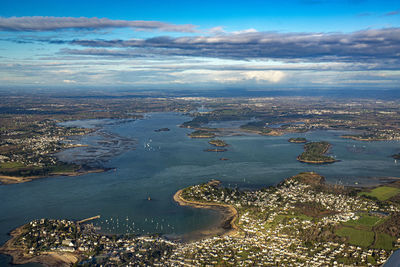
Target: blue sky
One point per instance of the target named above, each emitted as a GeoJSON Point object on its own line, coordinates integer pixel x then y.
{"type": "Point", "coordinates": [200, 44]}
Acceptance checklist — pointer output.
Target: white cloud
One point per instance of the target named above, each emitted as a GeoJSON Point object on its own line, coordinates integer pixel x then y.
{"type": "Point", "coordinates": [228, 76]}
{"type": "Point", "coordinates": [270, 76]}
{"type": "Point", "coordinates": [69, 81]}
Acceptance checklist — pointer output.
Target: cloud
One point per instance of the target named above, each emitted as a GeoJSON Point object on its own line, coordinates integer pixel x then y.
{"type": "Point", "coordinates": [393, 13]}
{"type": "Point", "coordinates": [227, 76]}
{"type": "Point", "coordinates": [69, 81]}
{"type": "Point", "coordinates": [271, 76]}
{"type": "Point", "coordinates": [372, 46]}
{"type": "Point", "coordinates": [39, 23]}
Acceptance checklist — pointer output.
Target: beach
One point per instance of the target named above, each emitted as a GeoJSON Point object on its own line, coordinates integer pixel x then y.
{"type": "Point", "coordinates": [226, 226]}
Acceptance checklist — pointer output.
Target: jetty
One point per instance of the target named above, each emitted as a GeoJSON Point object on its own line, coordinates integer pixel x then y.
{"type": "Point", "coordinates": [89, 219]}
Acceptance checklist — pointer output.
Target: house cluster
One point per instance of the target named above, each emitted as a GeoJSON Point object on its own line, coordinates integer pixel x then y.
{"type": "Point", "coordinates": [272, 231]}
{"type": "Point", "coordinates": [41, 236]}
{"type": "Point", "coordinates": [33, 147]}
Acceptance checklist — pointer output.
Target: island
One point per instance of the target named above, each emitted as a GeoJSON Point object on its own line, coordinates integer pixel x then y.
{"type": "Point", "coordinates": [314, 153]}
{"type": "Point", "coordinates": [297, 140]}
{"type": "Point", "coordinates": [218, 143]}
{"type": "Point", "coordinates": [396, 156]}
{"type": "Point", "coordinates": [302, 221]}
{"type": "Point", "coordinates": [162, 130]}
{"type": "Point", "coordinates": [202, 134]}
{"type": "Point", "coordinates": [215, 150]}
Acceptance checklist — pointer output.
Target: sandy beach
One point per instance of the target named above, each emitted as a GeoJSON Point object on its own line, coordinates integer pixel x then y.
{"type": "Point", "coordinates": [227, 225]}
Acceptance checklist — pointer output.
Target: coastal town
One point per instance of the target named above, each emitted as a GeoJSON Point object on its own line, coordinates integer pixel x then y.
{"type": "Point", "coordinates": [301, 222]}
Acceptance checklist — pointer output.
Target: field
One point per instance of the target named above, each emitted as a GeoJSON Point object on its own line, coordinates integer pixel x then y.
{"type": "Point", "coordinates": [382, 193]}
{"type": "Point", "coordinates": [365, 220]}
{"type": "Point", "coordinates": [357, 237]}
{"type": "Point", "coordinates": [384, 241]}
{"type": "Point", "coordinates": [11, 165]}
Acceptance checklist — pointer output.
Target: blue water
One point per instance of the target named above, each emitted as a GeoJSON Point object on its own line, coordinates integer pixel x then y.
{"type": "Point", "coordinates": [164, 162]}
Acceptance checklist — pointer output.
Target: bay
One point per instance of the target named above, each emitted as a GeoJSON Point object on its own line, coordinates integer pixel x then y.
{"type": "Point", "coordinates": [164, 162]}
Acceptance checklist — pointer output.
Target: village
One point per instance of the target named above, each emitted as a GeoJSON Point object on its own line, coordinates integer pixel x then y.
{"type": "Point", "coordinates": [273, 228]}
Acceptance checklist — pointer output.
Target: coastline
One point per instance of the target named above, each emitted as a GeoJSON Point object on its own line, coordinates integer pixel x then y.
{"type": "Point", "coordinates": [49, 259]}
{"type": "Point", "coordinates": [6, 180]}
{"type": "Point", "coordinates": [318, 161]}
{"type": "Point", "coordinates": [227, 226]}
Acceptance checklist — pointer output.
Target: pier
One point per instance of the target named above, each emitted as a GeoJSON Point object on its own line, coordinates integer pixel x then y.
{"type": "Point", "coordinates": [89, 219]}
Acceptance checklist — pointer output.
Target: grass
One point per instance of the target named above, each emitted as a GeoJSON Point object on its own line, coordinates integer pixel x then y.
{"type": "Point", "coordinates": [11, 165]}
{"type": "Point", "coordinates": [382, 193]}
{"type": "Point", "coordinates": [61, 168]}
{"type": "Point", "coordinates": [365, 220]}
{"type": "Point", "coordinates": [357, 237]}
{"type": "Point", "coordinates": [384, 241]}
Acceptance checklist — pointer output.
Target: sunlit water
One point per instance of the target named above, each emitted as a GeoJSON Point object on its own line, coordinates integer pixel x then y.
{"type": "Point", "coordinates": [164, 162]}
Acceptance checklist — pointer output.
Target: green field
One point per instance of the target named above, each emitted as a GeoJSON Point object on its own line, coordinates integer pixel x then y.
{"type": "Point", "coordinates": [365, 220]}
{"type": "Point", "coordinates": [382, 193]}
{"type": "Point", "coordinates": [357, 237]}
{"type": "Point", "coordinates": [384, 241]}
{"type": "Point", "coordinates": [11, 165]}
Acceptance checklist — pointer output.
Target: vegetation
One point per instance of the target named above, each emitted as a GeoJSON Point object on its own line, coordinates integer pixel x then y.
{"type": "Point", "coordinates": [365, 220]}
{"type": "Point", "coordinates": [382, 193]}
{"type": "Point", "coordinates": [218, 143]}
{"type": "Point", "coordinates": [314, 153]}
{"type": "Point", "coordinates": [29, 171]}
{"type": "Point", "coordinates": [11, 165]}
{"type": "Point", "coordinates": [357, 237]}
{"type": "Point", "coordinates": [384, 241]}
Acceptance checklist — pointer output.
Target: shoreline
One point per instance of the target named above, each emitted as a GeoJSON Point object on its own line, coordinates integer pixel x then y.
{"type": "Point", "coordinates": [226, 227]}
{"type": "Point", "coordinates": [6, 180]}
{"type": "Point", "coordinates": [48, 259]}
{"type": "Point", "coordinates": [315, 161]}
{"type": "Point", "coordinates": [318, 161]}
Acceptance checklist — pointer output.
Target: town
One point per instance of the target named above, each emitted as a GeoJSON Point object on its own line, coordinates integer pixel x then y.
{"type": "Point", "coordinates": [301, 222]}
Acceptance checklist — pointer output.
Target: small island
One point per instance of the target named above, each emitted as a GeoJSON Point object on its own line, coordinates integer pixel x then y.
{"type": "Point", "coordinates": [314, 152]}
{"type": "Point", "coordinates": [216, 150]}
{"type": "Point", "coordinates": [396, 156]}
{"type": "Point", "coordinates": [297, 140]}
{"type": "Point", "coordinates": [162, 130]}
{"type": "Point", "coordinates": [202, 134]}
{"type": "Point", "coordinates": [218, 143]}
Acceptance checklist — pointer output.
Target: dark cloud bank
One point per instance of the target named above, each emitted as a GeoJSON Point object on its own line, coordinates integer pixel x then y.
{"type": "Point", "coordinates": [39, 23]}
{"type": "Point", "coordinates": [371, 46]}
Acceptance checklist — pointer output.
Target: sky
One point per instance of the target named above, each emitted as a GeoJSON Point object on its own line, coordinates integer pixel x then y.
{"type": "Point", "coordinates": [260, 45]}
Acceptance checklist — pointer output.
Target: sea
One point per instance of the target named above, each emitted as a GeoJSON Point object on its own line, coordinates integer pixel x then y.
{"type": "Point", "coordinates": [135, 195]}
